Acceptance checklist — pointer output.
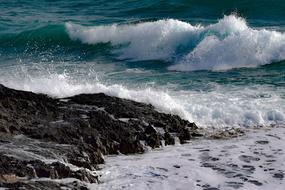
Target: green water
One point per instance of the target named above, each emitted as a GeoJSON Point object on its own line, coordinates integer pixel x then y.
{"type": "Point", "coordinates": [185, 57]}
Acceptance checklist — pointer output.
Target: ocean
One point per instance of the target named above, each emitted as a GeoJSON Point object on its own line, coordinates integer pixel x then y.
{"type": "Point", "coordinates": [220, 64]}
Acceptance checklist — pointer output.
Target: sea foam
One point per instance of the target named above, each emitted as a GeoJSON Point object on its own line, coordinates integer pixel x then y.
{"type": "Point", "coordinates": [214, 164]}
{"type": "Point", "coordinates": [229, 43]}
{"type": "Point", "coordinates": [224, 106]}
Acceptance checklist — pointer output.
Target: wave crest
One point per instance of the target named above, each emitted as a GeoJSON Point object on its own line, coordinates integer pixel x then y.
{"type": "Point", "coordinates": [228, 44]}
{"type": "Point", "coordinates": [143, 41]}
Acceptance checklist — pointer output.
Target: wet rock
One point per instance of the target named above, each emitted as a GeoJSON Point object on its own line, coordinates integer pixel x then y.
{"type": "Point", "coordinates": [169, 139]}
{"type": "Point", "coordinates": [226, 133]}
{"type": "Point", "coordinates": [44, 185]}
{"type": "Point", "coordinates": [176, 166]}
{"type": "Point", "coordinates": [184, 135]}
{"type": "Point", "coordinates": [13, 169]}
{"type": "Point", "coordinates": [78, 131]}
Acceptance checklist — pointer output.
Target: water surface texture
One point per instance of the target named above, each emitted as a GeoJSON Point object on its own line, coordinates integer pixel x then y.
{"type": "Point", "coordinates": [219, 64]}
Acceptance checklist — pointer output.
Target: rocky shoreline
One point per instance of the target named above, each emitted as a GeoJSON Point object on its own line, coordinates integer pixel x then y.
{"type": "Point", "coordinates": [49, 143]}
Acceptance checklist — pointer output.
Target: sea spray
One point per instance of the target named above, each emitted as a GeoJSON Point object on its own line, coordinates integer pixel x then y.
{"type": "Point", "coordinates": [228, 44]}
{"type": "Point", "coordinates": [224, 106]}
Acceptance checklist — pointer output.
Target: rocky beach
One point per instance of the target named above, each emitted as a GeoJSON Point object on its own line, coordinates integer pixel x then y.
{"type": "Point", "coordinates": [43, 139]}
{"type": "Point", "coordinates": [135, 95]}
{"type": "Point", "coordinates": [95, 141]}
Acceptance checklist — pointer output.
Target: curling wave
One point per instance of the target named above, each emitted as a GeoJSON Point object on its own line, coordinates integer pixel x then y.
{"type": "Point", "coordinates": [229, 43]}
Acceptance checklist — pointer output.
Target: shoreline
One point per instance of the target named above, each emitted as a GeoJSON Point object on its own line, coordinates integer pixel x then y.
{"type": "Point", "coordinates": [54, 143]}
{"type": "Point", "coordinates": [252, 161]}
{"type": "Point", "coordinates": [43, 137]}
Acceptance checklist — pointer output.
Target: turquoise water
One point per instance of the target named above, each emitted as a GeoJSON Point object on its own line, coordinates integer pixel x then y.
{"type": "Point", "coordinates": [219, 64]}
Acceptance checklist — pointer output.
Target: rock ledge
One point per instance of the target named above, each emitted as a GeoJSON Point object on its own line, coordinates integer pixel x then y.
{"type": "Point", "coordinates": [43, 138]}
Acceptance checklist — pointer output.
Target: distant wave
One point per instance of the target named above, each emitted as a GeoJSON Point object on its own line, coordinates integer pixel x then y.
{"type": "Point", "coordinates": [230, 43]}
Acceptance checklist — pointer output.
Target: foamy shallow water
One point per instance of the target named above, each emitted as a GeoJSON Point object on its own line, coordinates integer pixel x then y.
{"type": "Point", "coordinates": [254, 161]}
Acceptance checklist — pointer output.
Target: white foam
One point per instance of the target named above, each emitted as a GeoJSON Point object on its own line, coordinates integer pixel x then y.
{"type": "Point", "coordinates": [222, 164]}
{"type": "Point", "coordinates": [61, 85]}
{"type": "Point", "coordinates": [230, 43]}
{"type": "Point", "coordinates": [235, 45]}
{"type": "Point", "coordinates": [144, 41]}
{"type": "Point", "coordinates": [224, 106]}
{"type": "Point", "coordinates": [235, 106]}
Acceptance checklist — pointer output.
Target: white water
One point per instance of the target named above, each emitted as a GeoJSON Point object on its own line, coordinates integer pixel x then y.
{"type": "Point", "coordinates": [252, 162]}
{"type": "Point", "coordinates": [230, 43]}
{"type": "Point", "coordinates": [225, 106]}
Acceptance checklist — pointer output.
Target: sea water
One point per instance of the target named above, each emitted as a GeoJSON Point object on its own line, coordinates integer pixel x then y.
{"type": "Point", "coordinates": [219, 64]}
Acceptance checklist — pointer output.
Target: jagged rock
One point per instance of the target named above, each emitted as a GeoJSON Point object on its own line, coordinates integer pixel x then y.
{"type": "Point", "coordinates": [79, 130]}
{"type": "Point", "coordinates": [44, 185]}
{"type": "Point", "coordinates": [18, 170]}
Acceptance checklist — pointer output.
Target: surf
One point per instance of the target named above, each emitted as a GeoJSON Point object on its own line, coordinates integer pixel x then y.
{"type": "Point", "coordinates": [224, 106]}
{"type": "Point", "coordinates": [229, 43]}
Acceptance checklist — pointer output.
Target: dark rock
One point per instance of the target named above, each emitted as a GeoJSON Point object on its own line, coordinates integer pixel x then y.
{"type": "Point", "coordinates": [79, 130]}
{"type": "Point", "coordinates": [19, 169]}
{"type": "Point", "coordinates": [184, 135]}
{"type": "Point", "coordinates": [169, 139]}
{"type": "Point", "coordinates": [176, 166]}
{"type": "Point", "coordinates": [9, 165]}
{"type": "Point", "coordinates": [44, 185]}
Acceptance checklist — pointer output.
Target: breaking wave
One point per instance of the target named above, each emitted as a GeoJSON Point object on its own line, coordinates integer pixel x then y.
{"type": "Point", "coordinates": [223, 107]}
{"type": "Point", "coordinates": [229, 43]}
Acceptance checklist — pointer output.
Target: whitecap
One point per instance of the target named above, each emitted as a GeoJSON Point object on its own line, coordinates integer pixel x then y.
{"type": "Point", "coordinates": [229, 43]}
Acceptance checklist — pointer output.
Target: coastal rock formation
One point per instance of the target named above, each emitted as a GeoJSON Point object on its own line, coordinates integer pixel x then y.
{"type": "Point", "coordinates": [43, 138]}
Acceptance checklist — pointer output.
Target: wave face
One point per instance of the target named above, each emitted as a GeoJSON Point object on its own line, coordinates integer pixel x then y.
{"type": "Point", "coordinates": [228, 44]}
